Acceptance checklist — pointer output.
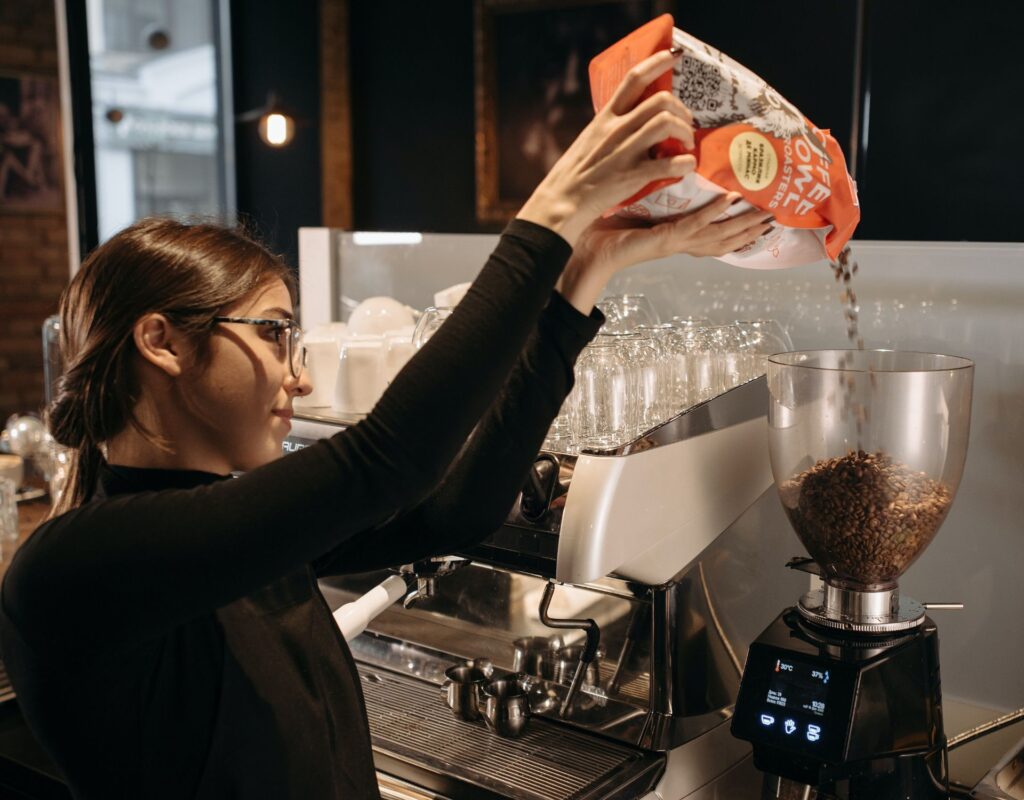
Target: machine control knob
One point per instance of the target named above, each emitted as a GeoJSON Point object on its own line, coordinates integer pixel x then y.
{"type": "Point", "coordinates": [540, 488]}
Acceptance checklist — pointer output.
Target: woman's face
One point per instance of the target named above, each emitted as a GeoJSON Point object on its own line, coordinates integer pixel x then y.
{"type": "Point", "coordinates": [241, 397]}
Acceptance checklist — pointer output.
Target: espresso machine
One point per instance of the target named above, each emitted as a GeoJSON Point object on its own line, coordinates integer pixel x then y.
{"type": "Point", "coordinates": [841, 694]}
{"type": "Point", "coordinates": [625, 585]}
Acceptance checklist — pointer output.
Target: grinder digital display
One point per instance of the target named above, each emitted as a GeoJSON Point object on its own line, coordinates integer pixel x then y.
{"type": "Point", "coordinates": [794, 701]}
{"type": "Point", "coordinates": [799, 687]}
{"type": "Point", "coordinates": [792, 710]}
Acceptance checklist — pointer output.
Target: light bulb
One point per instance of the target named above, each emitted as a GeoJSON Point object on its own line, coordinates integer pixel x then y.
{"type": "Point", "coordinates": [276, 129]}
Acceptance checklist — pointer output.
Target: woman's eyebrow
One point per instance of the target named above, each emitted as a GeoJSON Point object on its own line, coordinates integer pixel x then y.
{"type": "Point", "coordinates": [284, 313]}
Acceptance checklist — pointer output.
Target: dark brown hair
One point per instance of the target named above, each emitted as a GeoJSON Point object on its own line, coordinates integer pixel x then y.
{"type": "Point", "coordinates": [187, 272]}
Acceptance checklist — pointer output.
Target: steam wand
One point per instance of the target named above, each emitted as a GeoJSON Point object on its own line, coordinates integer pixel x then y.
{"type": "Point", "coordinates": [589, 651]}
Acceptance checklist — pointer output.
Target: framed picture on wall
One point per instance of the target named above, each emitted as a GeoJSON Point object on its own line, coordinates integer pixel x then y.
{"type": "Point", "coordinates": [30, 157]}
{"type": "Point", "coordinates": [532, 89]}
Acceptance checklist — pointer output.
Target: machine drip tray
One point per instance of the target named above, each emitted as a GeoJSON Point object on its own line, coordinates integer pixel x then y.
{"type": "Point", "coordinates": [410, 724]}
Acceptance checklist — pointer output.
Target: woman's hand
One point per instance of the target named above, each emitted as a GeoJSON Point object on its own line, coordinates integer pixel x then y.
{"type": "Point", "coordinates": [610, 159]}
{"type": "Point", "coordinates": [610, 245]}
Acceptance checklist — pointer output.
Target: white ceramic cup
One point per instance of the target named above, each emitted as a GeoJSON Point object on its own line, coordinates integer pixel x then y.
{"type": "Point", "coordinates": [360, 379]}
{"type": "Point", "coordinates": [450, 297]}
{"type": "Point", "coordinates": [397, 350]}
{"type": "Point", "coordinates": [322, 372]}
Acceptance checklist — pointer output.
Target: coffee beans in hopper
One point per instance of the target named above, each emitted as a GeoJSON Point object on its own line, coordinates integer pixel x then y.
{"type": "Point", "coordinates": [864, 517]}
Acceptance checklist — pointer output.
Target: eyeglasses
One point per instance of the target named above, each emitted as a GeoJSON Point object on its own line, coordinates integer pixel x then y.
{"type": "Point", "coordinates": [287, 329]}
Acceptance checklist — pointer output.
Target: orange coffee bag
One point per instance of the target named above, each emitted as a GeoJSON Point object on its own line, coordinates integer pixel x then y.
{"type": "Point", "coordinates": [749, 139]}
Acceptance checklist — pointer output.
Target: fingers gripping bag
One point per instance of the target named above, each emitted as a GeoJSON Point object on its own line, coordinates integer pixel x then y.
{"type": "Point", "coordinates": [748, 139]}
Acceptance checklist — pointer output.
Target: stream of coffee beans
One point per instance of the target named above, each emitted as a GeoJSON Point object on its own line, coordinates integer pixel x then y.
{"type": "Point", "coordinates": [843, 270]}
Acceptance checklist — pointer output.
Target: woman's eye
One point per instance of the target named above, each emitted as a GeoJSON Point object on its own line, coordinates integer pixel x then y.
{"type": "Point", "coordinates": [275, 334]}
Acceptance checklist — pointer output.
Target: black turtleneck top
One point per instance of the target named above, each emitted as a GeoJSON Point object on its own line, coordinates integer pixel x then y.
{"type": "Point", "coordinates": [167, 638]}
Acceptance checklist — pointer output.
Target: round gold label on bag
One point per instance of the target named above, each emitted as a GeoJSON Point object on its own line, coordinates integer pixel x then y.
{"type": "Point", "coordinates": [753, 160]}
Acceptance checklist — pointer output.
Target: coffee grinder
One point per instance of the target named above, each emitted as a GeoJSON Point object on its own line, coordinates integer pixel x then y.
{"type": "Point", "coordinates": [841, 695]}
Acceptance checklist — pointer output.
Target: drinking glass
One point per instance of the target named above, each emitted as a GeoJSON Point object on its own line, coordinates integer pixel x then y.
{"type": "Point", "coordinates": [613, 314]}
{"type": "Point", "coordinates": [53, 367]}
{"type": "Point", "coordinates": [638, 307]}
{"type": "Point", "coordinates": [762, 341]}
{"type": "Point", "coordinates": [428, 323]}
{"type": "Point", "coordinates": [659, 334]}
{"type": "Point", "coordinates": [776, 328]}
{"type": "Point", "coordinates": [677, 389]}
{"type": "Point", "coordinates": [624, 312]}
{"type": "Point", "coordinates": [640, 360]}
{"type": "Point", "coordinates": [644, 356]}
{"type": "Point", "coordinates": [8, 518]}
{"type": "Point", "coordinates": [730, 357]}
{"type": "Point", "coordinates": [604, 413]}
{"type": "Point", "coordinates": [559, 438]}
{"type": "Point", "coordinates": [691, 322]}
{"type": "Point", "coordinates": [695, 379]}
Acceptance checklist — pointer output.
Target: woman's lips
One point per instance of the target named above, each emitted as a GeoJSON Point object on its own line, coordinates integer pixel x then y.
{"type": "Point", "coordinates": [283, 413]}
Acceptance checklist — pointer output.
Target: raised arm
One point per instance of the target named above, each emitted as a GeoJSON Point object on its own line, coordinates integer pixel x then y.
{"type": "Point", "coordinates": [476, 494]}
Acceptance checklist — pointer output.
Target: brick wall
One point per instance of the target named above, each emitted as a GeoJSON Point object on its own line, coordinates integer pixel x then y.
{"type": "Point", "coordinates": [33, 246]}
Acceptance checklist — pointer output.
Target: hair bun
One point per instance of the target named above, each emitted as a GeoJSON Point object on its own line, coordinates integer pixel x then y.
{"type": "Point", "coordinates": [65, 417]}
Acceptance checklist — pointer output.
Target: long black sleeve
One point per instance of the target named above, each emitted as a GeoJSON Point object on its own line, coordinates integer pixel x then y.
{"type": "Point", "coordinates": [147, 561]}
{"type": "Point", "coordinates": [474, 497]}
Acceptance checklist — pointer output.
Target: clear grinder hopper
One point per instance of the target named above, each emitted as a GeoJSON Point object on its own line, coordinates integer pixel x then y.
{"type": "Point", "coordinates": [867, 450]}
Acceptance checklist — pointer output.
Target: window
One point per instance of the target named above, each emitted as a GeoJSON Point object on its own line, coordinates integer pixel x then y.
{"type": "Point", "coordinates": [160, 110]}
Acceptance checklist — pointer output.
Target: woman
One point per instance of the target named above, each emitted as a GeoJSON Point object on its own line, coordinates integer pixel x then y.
{"type": "Point", "coordinates": [165, 633]}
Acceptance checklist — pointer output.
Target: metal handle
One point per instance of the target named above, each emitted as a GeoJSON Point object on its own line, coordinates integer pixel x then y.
{"type": "Point", "coordinates": [943, 606]}
{"type": "Point", "coordinates": [638, 620]}
{"type": "Point", "coordinates": [589, 651]}
{"type": "Point", "coordinates": [985, 728]}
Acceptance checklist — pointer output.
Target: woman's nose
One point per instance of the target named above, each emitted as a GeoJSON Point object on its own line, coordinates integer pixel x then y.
{"type": "Point", "coordinates": [300, 386]}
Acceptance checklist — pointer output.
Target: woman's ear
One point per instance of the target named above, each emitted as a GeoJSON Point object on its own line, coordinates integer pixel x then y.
{"type": "Point", "coordinates": [160, 343]}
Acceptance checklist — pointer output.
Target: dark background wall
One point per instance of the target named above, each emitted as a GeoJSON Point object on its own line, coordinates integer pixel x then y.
{"type": "Point", "coordinates": [936, 157]}
{"type": "Point", "coordinates": [935, 148]}
{"type": "Point", "coordinates": [412, 116]}
{"type": "Point", "coordinates": [275, 47]}
{"type": "Point", "coordinates": [942, 153]}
